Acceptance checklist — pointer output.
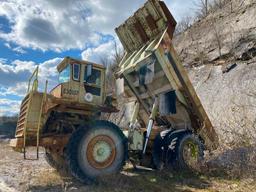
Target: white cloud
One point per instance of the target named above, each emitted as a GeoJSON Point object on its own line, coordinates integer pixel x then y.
{"type": "Point", "coordinates": [3, 60]}
{"type": "Point", "coordinates": [14, 81]}
{"type": "Point", "coordinates": [48, 71]}
{"type": "Point", "coordinates": [66, 24]}
{"type": "Point", "coordinates": [7, 45]}
{"type": "Point", "coordinates": [96, 54]}
{"type": "Point", "coordinates": [19, 50]}
{"type": "Point", "coordinates": [8, 102]}
{"type": "Point", "coordinates": [45, 25]}
{"type": "Point", "coordinates": [19, 89]}
{"type": "Point", "coordinates": [61, 25]}
{"type": "Point", "coordinates": [38, 24]}
{"type": "Point", "coordinates": [9, 107]}
{"type": "Point", "coordinates": [14, 76]}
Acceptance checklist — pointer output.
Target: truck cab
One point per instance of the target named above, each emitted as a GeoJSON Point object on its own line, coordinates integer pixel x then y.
{"type": "Point", "coordinates": [78, 97]}
{"type": "Point", "coordinates": [80, 81]}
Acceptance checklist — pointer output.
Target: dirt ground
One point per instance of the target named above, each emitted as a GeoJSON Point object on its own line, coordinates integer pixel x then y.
{"type": "Point", "coordinates": [36, 175]}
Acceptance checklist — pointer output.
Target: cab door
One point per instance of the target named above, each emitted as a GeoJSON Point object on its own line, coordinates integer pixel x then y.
{"type": "Point", "coordinates": [93, 81]}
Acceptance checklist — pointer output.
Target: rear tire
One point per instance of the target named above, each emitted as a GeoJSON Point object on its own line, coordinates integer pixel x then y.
{"type": "Point", "coordinates": [190, 153]}
{"type": "Point", "coordinates": [96, 150]}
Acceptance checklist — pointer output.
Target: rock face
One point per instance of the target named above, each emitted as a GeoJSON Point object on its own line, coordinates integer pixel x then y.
{"type": "Point", "coordinates": [219, 52]}
{"type": "Point", "coordinates": [229, 99]}
{"type": "Point", "coordinates": [223, 33]}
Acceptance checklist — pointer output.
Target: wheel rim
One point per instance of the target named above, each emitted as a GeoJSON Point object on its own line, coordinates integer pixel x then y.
{"type": "Point", "coordinates": [191, 154]}
{"type": "Point", "coordinates": [101, 152]}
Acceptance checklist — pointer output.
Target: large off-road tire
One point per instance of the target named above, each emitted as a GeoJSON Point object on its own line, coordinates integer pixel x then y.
{"type": "Point", "coordinates": [189, 153]}
{"type": "Point", "coordinates": [178, 150]}
{"type": "Point", "coordinates": [57, 162]}
{"type": "Point", "coordinates": [96, 150]}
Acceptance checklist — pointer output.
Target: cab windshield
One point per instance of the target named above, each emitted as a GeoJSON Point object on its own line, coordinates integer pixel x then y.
{"type": "Point", "coordinates": [64, 75]}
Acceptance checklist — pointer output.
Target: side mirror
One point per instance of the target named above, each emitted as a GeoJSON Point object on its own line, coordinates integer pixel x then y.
{"type": "Point", "coordinates": [89, 70]}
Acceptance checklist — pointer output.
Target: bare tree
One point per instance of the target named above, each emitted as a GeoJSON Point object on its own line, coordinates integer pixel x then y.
{"type": "Point", "coordinates": [184, 24]}
{"type": "Point", "coordinates": [104, 60]}
{"type": "Point", "coordinates": [205, 6]}
{"type": "Point", "coordinates": [231, 6]}
{"type": "Point", "coordinates": [218, 4]}
{"type": "Point", "coordinates": [218, 37]}
{"type": "Point", "coordinates": [111, 63]}
{"type": "Point", "coordinates": [119, 53]}
{"type": "Point", "coordinates": [202, 8]}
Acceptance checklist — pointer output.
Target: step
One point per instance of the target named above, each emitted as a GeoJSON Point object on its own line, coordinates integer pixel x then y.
{"type": "Point", "coordinates": [20, 124]}
{"type": "Point", "coordinates": [22, 118]}
{"type": "Point", "coordinates": [23, 111]}
{"type": "Point", "coordinates": [29, 133]}
{"type": "Point", "coordinates": [19, 129]}
{"type": "Point", "coordinates": [26, 98]}
{"type": "Point", "coordinates": [24, 103]}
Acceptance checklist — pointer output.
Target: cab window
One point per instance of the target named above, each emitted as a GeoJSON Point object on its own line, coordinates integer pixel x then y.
{"type": "Point", "coordinates": [64, 75]}
{"type": "Point", "coordinates": [76, 72]}
{"type": "Point", "coordinates": [94, 78]}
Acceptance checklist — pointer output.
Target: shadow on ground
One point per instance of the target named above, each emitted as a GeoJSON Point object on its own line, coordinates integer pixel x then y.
{"type": "Point", "coordinates": [225, 172]}
{"type": "Point", "coordinates": [136, 180]}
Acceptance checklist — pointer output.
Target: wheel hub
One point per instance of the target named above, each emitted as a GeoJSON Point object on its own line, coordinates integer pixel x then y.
{"type": "Point", "coordinates": [101, 152]}
{"type": "Point", "coordinates": [190, 154]}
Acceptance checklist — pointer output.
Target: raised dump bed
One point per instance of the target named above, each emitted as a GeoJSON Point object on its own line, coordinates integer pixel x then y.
{"type": "Point", "coordinates": [147, 22]}
{"type": "Point", "coordinates": [151, 69]}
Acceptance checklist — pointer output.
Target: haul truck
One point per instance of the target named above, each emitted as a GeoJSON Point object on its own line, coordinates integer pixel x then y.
{"type": "Point", "coordinates": [168, 126]}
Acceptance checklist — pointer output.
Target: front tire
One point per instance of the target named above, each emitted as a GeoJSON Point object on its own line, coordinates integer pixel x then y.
{"type": "Point", "coordinates": [57, 162]}
{"type": "Point", "coordinates": [96, 150]}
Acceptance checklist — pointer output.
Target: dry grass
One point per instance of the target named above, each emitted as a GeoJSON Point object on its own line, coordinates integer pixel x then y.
{"type": "Point", "coordinates": [19, 175]}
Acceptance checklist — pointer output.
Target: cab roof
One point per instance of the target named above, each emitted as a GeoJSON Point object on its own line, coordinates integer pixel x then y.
{"type": "Point", "coordinates": [69, 60]}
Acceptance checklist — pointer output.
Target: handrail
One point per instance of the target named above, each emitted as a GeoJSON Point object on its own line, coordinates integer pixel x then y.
{"type": "Point", "coordinates": [40, 119]}
{"type": "Point", "coordinates": [25, 127]}
{"type": "Point", "coordinates": [35, 82]}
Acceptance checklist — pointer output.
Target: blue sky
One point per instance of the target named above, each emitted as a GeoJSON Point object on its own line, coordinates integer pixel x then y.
{"type": "Point", "coordinates": [42, 32]}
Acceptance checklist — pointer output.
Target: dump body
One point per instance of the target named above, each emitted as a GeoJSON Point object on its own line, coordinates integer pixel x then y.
{"type": "Point", "coordinates": [151, 69]}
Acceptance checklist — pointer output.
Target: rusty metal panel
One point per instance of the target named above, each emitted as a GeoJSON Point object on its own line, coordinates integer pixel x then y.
{"type": "Point", "coordinates": [145, 25]}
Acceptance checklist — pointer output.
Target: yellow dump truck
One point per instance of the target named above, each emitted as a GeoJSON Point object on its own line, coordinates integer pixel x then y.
{"type": "Point", "coordinates": [168, 127]}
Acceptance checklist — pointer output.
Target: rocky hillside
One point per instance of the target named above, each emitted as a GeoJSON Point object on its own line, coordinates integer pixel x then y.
{"type": "Point", "coordinates": [219, 52]}
{"type": "Point", "coordinates": [222, 34]}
